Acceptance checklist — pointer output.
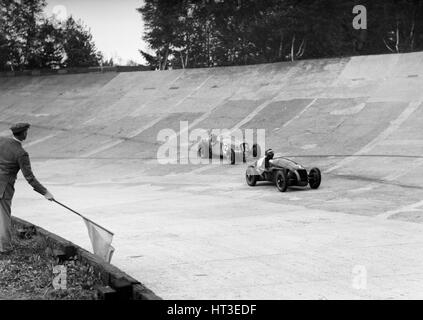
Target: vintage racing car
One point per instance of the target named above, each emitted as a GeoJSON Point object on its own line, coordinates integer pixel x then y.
{"type": "Point", "coordinates": [227, 147]}
{"type": "Point", "coordinates": [284, 173]}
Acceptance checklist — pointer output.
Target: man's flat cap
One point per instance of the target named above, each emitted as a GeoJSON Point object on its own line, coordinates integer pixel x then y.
{"type": "Point", "coordinates": [19, 127]}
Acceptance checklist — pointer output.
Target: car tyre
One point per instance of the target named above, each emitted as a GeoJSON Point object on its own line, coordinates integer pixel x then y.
{"type": "Point", "coordinates": [250, 178]}
{"type": "Point", "coordinates": [314, 178]}
{"type": "Point", "coordinates": [281, 181]}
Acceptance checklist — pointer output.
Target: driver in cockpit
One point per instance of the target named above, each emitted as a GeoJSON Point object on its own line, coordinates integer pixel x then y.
{"type": "Point", "coordinates": [264, 162]}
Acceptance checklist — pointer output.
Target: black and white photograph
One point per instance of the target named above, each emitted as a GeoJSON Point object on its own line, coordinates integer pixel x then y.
{"type": "Point", "coordinates": [211, 150]}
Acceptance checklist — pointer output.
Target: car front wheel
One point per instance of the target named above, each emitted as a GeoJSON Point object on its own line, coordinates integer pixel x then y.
{"type": "Point", "coordinates": [314, 178]}
{"type": "Point", "coordinates": [281, 181]}
{"type": "Point", "coordinates": [250, 177]}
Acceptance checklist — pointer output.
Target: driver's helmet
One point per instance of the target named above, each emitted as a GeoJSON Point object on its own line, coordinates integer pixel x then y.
{"type": "Point", "coordinates": [269, 154]}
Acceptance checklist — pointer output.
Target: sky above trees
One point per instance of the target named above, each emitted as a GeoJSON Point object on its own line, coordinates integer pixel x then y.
{"type": "Point", "coordinates": [115, 25]}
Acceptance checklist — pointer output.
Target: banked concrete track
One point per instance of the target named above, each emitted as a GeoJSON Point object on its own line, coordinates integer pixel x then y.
{"type": "Point", "coordinates": [198, 231]}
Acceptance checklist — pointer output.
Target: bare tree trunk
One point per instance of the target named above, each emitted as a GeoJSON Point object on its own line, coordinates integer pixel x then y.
{"type": "Point", "coordinates": [207, 43]}
{"type": "Point", "coordinates": [387, 46]}
{"type": "Point", "coordinates": [413, 25]}
{"type": "Point", "coordinates": [395, 49]}
{"type": "Point", "coordinates": [182, 59]}
{"type": "Point", "coordinates": [292, 48]}
{"type": "Point", "coordinates": [164, 63]}
{"type": "Point", "coordinates": [186, 58]}
{"type": "Point", "coordinates": [301, 49]}
{"type": "Point", "coordinates": [11, 64]}
{"type": "Point", "coordinates": [165, 60]}
{"type": "Point", "coordinates": [397, 43]}
{"type": "Point", "coordinates": [159, 59]}
{"type": "Point", "coordinates": [208, 47]}
{"type": "Point", "coordinates": [280, 46]}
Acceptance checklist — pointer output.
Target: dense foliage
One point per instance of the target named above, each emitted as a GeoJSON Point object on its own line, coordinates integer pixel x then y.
{"type": "Point", "coordinates": [189, 34]}
{"type": "Point", "coordinates": [28, 40]}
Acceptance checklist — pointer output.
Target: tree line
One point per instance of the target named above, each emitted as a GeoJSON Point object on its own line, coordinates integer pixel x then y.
{"type": "Point", "coordinates": [30, 40]}
{"type": "Point", "coordinates": [207, 33]}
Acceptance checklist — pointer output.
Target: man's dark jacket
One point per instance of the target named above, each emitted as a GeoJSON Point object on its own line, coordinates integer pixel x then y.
{"type": "Point", "coordinates": [13, 158]}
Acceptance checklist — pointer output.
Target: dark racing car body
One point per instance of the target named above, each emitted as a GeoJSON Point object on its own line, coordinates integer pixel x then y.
{"type": "Point", "coordinates": [284, 173]}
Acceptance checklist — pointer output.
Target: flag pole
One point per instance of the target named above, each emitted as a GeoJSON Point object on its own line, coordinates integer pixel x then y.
{"type": "Point", "coordinates": [77, 213]}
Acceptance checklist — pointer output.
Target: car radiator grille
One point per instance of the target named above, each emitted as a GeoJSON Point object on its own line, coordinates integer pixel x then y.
{"type": "Point", "coordinates": [303, 174]}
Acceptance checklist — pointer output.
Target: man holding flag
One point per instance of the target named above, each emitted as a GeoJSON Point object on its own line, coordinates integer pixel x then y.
{"type": "Point", "coordinates": [14, 158]}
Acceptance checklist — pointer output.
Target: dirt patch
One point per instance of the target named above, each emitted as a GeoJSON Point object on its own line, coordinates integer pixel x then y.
{"type": "Point", "coordinates": [27, 273]}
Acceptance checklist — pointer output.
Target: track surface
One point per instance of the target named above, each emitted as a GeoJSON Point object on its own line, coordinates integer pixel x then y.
{"type": "Point", "coordinates": [198, 231]}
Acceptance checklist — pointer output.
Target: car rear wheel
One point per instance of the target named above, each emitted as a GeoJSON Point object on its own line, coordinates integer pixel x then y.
{"type": "Point", "coordinates": [314, 178]}
{"type": "Point", "coordinates": [250, 177]}
{"type": "Point", "coordinates": [281, 181]}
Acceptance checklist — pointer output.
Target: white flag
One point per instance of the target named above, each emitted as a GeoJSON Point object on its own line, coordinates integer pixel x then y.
{"type": "Point", "coordinates": [101, 240]}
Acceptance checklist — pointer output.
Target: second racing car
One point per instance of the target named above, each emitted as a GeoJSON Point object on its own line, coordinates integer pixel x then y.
{"type": "Point", "coordinates": [228, 148]}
